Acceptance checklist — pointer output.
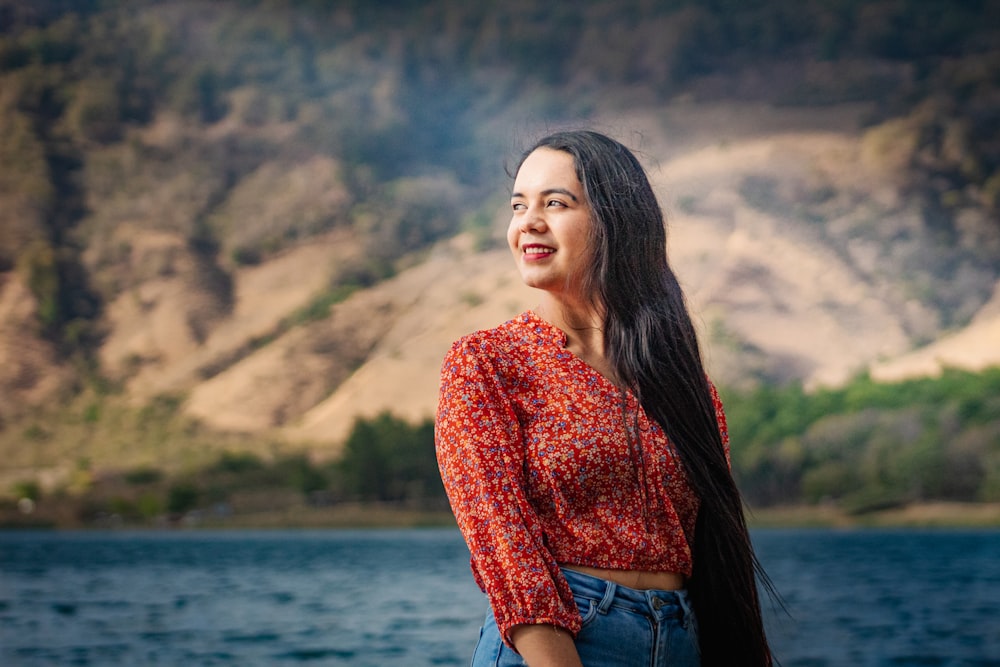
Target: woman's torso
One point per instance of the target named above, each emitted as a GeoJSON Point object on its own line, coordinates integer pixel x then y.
{"type": "Point", "coordinates": [610, 493]}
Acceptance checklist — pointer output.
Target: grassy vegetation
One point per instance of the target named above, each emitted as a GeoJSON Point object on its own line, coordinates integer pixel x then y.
{"type": "Point", "coordinates": [386, 475]}
{"type": "Point", "coordinates": [95, 428]}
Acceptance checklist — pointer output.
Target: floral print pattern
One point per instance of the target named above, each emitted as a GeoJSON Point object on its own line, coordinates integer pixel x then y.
{"type": "Point", "coordinates": [547, 463]}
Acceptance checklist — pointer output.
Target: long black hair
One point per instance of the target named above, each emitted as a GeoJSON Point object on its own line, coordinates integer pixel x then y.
{"type": "Point", "coordinates": [651, 343]}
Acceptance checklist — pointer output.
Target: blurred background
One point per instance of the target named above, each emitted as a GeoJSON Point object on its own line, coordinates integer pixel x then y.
{"type": "Point", "coordinates": [237, 237]}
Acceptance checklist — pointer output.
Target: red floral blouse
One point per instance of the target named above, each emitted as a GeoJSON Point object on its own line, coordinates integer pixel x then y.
{"type": "Point", "coordinates": [546, 463]}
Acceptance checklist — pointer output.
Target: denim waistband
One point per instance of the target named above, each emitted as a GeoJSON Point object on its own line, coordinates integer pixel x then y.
{"type": "Point", "coordinates": [657, 603]}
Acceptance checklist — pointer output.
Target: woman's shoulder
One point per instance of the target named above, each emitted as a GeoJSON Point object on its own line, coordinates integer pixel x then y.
{"type": "Point", "coordinates": [504, 338]}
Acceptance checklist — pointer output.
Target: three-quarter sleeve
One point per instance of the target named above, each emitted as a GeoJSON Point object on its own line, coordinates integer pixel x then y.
{"type": "Point", "coordinates": [481, 457]}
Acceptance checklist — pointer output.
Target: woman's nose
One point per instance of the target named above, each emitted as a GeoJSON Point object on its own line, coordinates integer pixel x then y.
{"type": "Point", "coordinates": [533, 221]}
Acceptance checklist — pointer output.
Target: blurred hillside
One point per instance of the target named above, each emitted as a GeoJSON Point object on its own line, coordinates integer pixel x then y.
{"type": "Point", "coordinates": [263, 219]}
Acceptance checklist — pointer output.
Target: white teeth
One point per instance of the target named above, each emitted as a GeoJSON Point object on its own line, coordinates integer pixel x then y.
{"type": "Point", "coordinates": [537, 251]}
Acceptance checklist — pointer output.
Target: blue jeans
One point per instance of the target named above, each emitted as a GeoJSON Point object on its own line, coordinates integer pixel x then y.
{"type": "Point", "coordinates": [621, 626]}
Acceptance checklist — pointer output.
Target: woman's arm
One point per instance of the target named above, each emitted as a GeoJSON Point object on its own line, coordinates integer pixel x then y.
{"type": "Point", "coordinates": [481, 456]}
{"type": "Point", "coordinates": [545, 646]}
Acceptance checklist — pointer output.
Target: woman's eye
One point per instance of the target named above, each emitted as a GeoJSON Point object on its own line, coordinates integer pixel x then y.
{"type": "Point", "coordinates": [518, 206]}
{"type": "Point", "coordinates": [555, 202]}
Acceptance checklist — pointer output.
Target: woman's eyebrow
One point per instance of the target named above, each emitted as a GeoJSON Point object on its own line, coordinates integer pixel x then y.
{"type": "Point", "coordinates": [550, 191]}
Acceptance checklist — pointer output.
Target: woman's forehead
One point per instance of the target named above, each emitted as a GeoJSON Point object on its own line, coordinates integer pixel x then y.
{"type": "Point", "coordinates": [545, 168]}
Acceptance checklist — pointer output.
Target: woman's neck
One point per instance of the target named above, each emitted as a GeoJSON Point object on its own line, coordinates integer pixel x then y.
{"type": "Point", "coordinates": [583, 325]}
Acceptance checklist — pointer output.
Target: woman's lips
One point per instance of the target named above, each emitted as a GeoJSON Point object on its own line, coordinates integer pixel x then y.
{"type": "Point", "coordinates": [534, 252]}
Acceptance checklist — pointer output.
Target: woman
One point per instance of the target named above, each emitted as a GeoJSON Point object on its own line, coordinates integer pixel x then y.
{"type": "Point", "coordinates": [582, 447]}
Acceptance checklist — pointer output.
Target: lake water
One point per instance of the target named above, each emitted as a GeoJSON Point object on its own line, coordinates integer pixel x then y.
{"type": "Point", "coordinates": [406, 597]}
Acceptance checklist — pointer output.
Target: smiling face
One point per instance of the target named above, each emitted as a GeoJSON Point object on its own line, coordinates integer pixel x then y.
{"type": "Point", "coordinates": [550, 227]}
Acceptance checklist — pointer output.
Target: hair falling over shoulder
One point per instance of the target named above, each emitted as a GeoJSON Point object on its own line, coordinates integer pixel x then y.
{"type": "Point", "coordinates": [650, 340]}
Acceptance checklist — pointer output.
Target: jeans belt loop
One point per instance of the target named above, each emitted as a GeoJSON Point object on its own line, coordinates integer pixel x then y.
{"type": "Point", "coordinates": [610, 588]}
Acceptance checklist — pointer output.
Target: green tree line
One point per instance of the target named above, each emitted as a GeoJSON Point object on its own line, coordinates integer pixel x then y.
{"type": "Point", "coordinates": [386, 461]}
{"type": "Point", "coordinates": [869, 444]}
{"type": "Point", "coordinates": [863, 447]}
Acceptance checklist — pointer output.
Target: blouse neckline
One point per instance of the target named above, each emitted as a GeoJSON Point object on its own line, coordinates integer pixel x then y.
{"type": "Point", "coordinates": [559, 337]}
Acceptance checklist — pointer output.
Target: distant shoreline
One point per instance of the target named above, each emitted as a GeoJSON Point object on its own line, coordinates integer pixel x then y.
{"type": "Point", "coordinates": [917, 515]}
